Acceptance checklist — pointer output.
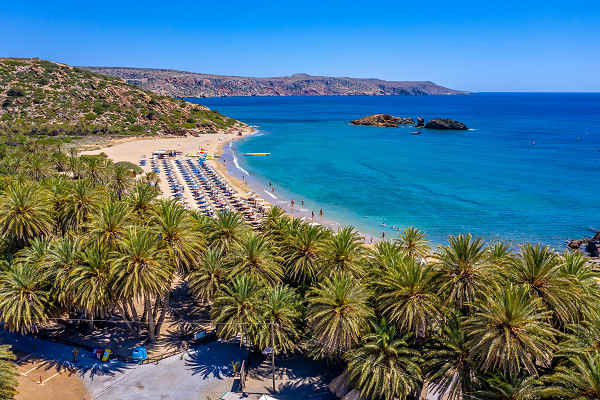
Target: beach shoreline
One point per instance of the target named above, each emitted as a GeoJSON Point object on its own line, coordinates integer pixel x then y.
{"type": "Point", "coordinates": [233, 173]}
{"type": "Point", "coordinates": [134, 149]}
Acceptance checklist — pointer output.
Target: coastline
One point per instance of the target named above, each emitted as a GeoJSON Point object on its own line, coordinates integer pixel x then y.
{"type": "Point", "coordinates": [244, 182]}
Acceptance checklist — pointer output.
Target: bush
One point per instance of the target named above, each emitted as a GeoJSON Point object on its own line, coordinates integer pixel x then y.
{"type": "Point", "coordinates": [15, 92]}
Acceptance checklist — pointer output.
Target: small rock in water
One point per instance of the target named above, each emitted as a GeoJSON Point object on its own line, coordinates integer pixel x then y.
{"type": "Point", "coordinates": [445, 123]}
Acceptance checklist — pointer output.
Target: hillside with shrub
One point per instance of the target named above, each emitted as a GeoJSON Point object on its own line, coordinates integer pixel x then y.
{"type": "Point", "coordinates": [40, 97]}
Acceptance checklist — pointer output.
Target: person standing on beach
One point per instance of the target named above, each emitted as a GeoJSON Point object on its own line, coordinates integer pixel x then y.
{"type": "Point", "coordinates": [302, 203]}
{"type": "Point", "coordinates": [383, 235]}
{"type": "Point", "coordinates": [313, 215]}
{"type": "Point", "coordinates": [292, 203]}
{"type": "Point", "coordinates": [321, 212]}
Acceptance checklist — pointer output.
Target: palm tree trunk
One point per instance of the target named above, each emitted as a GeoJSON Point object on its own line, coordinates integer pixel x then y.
{"type": "Point", "coordinates": [150, 320]}
{"type": "Point", "coordinates": [126, 317]}
{"type": "Point", "coordinates": [135, 316]}
{"type": "Point", "coordinates": [157, 305]}
{"type": "Point", "coordinates": [163, 313]}
{"type": "Point", "coordinates": [144, 318]}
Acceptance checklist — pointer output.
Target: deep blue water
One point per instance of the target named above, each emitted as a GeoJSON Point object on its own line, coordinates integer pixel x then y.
{"type": "Point", "coordinates": [492, 181]}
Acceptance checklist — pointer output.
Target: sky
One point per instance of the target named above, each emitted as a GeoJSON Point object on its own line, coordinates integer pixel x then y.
{"type": "Point", "coordinates": [525, 45]}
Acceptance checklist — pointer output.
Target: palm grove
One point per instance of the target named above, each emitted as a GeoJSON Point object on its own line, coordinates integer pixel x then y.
{"type": "Point", "coordinates": [84, 238]}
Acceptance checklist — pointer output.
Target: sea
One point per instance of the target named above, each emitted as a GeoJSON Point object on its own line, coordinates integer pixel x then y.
{"type": "Point", "coordinates": [528, 168]}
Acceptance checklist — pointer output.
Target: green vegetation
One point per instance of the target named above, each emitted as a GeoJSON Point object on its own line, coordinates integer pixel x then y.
{"type": "Point", "coordinates": [42, 97]}
{"type": "Point", "coordinates": [83, 237]}
{"type": "Point", "coordinates": [8, 373]}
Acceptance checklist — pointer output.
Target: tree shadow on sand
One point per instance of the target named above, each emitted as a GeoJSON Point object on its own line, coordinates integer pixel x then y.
{"type": "Point", "coordinates": [309, 389]}
{"type": "Point", "coordinates": [214, 360]}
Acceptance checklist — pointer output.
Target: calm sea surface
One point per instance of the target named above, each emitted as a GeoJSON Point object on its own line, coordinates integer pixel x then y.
{"type": "Point", "coordinates": [528, 170]}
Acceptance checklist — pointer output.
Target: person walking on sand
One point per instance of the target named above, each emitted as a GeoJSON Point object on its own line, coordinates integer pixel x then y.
{"type": "Point", "coordinates": [383, 235]}
{"type": "Point", "coordinates": [302, 203]}
{"type": "Point", "coordinates": [321, 212]}
{"type": "Point", "coordinates": [313, 215]}
{"type": "Point", "coordinates": [292, 203]}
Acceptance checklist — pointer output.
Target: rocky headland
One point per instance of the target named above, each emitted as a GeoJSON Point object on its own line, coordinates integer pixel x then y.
{"type": "Point", "coordinates": [46, 98]}
{"type": "Point", "coordinates": [590, 245]}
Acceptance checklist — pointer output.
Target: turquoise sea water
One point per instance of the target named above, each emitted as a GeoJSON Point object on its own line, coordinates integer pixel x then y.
{"type": "Point", "coordinates": [528, 170]}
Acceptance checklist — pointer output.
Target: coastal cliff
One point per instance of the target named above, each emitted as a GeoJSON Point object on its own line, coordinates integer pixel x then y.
{"type": "Point", "coordinates": [46, 98]}
{"type": "Point", "coordinates": [188, 84]}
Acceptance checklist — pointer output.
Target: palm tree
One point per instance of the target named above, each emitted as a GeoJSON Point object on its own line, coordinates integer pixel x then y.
{"type": "Point", "coordinates": [24, 213]}
{"type": "Point", "coordinates": [58, 188]}
{"type": "Point", "coordinates": [406, 295]}
{"type": "Point", "coordinates": [152, 178]}
{"type": "Point", "coordinates": [448, 365]}
{"type": "Point", "coordinates": [344, 252]}
{"type": "Point", "coordinates": [509, 331]}
{"type": "Point", "coordinates": [580, 337]}
{"type": "Point", "coordinates": [583, 284]}
{"type": "Point", "coordinates": [59, 161]}
{"type": "Point", "coordinates": [63, 256]}
{"type": "Point", "coordinates": [174, 226]}
{"type": "Point", "coordinates": [520, 387]}
{"type": "Point", "coordinates": [338, 313]}
{"type": "Point", "coordinates": [208, 277]}
{"type": "Point", "coordinates": [23, 298]}
{"type": "Point", "coordinates": [94, 166]}
{"type": "Point", "coordinates": [79, 205]}
{"type": "Point", "coordinates": [91, 282]}
{"type": "Point", "coordinates": [236, 310]}
{"type": "Point", "coordinates": [274, 222]}
{"type": "Point", "coordinates": [35, 254]}
{"type": "Point", "coordinates": [412, 241]}
{"type": "Point", "coordinates": [110, 222]}
{"type": "Point", "coordinates": [280, 316]}
{"type": "Point", "coordinates": [142, 271]}
{"type": "Point", "coordinates": [464, 271]}
{"type": "Point", "coordinates": [120, 181]}
{"type": "Point", "coordinates": [37, 167]}
{"type": "Point", "coordinates": [252, 255]}
{"type": "Point", "coordinates": [579, 379]}
{"type": "Point", "coordinates": [140, 200]}
{"type": "Point", "coordinates": [538, 268]}
{"type": "Point", "coordinates": [227, 229]}
{"type": "Point", "coordinates": [500, 255]}
{"type": "Point", "coordinates": [301, 251]}
{"type": "Point", "coordinates": [8, 374]}
{"type": "Point", "coordinates": [385, 366]}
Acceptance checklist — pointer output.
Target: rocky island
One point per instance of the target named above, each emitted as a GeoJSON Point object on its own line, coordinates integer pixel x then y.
{"type": "Point", "coordinates": [383, 120]}
{"type": "Point", "coordinates": [389, 121]}
{"type": "Point", "coordinates": [445, 124]}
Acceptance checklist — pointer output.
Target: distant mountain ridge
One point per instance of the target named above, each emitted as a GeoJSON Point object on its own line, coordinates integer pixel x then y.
{"type": "Point", "coordinates": [190, 84]}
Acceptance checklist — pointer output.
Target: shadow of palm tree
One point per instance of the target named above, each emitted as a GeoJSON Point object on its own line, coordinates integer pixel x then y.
{"type": "Point", "coordinates": [214, 360]}
{"type": "Point", "coordinates": [314, 390]}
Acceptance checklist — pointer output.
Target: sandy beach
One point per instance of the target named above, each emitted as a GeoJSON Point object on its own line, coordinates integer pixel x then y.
{"type": "Point", "coordinates": [137, 148]}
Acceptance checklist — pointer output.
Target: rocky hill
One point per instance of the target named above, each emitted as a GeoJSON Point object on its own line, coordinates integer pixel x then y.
{"type": "Point", "coordinates": [189, 84]}
{"type": "Point", "coordinates": [42, 97]}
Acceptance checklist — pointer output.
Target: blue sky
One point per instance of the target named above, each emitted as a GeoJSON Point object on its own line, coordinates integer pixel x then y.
{"type": "Point", "coordinates": [526, 45]}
